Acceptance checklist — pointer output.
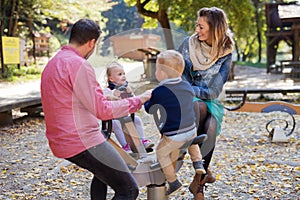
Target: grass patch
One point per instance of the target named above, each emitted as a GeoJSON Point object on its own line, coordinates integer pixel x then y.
{"type": "Point", "coordinates": [14, 74]}
{"type": "Point", "coordinates": [258, 65]}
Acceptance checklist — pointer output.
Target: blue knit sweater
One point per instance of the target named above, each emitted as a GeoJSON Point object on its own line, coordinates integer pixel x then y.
{"type": "Point", "coordinates": [172, 105]}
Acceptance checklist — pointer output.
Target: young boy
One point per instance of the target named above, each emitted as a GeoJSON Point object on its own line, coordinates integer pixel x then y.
{"type": "Point", "coordinates": [173, 100]}
{"type": "Point", "coordinates": [118, 89]}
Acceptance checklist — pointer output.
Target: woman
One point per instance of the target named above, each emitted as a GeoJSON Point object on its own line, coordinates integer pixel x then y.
{"type": "Point", "coordinates": [208, 55]}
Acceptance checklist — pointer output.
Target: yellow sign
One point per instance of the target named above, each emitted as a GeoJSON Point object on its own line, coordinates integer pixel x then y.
{"type": "Point", "coordinates": [11, 50]}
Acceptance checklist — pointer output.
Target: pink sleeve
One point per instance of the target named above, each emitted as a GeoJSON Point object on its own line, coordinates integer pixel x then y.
{"type": "Point", "coordinates": [89, 94]}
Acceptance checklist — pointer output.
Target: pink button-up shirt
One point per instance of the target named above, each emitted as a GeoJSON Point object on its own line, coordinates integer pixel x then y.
{"type": "Point", "coordinates": [73, 102]}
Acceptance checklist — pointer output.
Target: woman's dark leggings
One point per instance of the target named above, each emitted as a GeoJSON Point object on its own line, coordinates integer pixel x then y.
{"type": "Point", "coordinates": [109, 169]}
{"type": "Point", "coordinates": [206, 125]}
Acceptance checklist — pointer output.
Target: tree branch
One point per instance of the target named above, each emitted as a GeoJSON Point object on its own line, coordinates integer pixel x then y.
{"type": "Point", "coordinates": [141, 9]}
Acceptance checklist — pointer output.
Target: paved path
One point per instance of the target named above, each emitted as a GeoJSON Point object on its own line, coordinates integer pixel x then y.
{"type": "Point", "coordinates": [245, 77]}
{"type": "Point", "coordinates": [12, 92]}
{"type": "Point", "coordinates": [252, 77]}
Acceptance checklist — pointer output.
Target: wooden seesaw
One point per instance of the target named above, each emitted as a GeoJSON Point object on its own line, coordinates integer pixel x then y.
{"type": "Point", "coordinates": [277, 134]}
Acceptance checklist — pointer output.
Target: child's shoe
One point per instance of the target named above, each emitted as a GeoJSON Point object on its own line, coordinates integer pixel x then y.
{"type": "Point", "coordinates": [147, 144]}
{"type": "Point", "coordinates": [127, 148]}
{"type": "Point", "coordinates": [198, 166]}
{"type": "Point", "coordinates": [173, 186]}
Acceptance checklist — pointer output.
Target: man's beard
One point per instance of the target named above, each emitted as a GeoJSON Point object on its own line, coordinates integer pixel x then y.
{"type": "Point", "coordinates": [89, 54]}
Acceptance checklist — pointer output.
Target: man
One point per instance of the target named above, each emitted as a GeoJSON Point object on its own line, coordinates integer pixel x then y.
{"type": "Point", "coordinates": [73, 102]}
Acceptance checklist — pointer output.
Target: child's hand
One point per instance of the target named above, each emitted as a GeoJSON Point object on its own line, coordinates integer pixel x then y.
{"type": "Point", "coordinates": [129, 91]}
{"type": "Point", "coordinates": [145, 96]}
{"type": "Point", "coordinates": [116, 93]}
{"type": "Point", "coordinates": [112, 97]}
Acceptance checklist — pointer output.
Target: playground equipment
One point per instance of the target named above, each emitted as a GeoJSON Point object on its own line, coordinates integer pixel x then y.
{"type": "Point", "coordinates": [283, 25]}
{"type": "Point", "coordinates": [144, 165]}
{"type": "Point", "coordinates": [277, 134]}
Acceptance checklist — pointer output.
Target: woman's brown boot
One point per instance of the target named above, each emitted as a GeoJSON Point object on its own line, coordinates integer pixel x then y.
{"type": "Point", "coordinates": [210, 177]}
{"type": "Point", "coordinates": [197, 187]}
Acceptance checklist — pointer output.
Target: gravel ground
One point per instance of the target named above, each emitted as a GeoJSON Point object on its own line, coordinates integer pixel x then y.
{"type": "Point", "coordinates": [246, 163]}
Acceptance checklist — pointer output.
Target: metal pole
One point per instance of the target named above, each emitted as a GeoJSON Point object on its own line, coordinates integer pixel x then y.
{"type": "Point", "coordinates": [156, 192]}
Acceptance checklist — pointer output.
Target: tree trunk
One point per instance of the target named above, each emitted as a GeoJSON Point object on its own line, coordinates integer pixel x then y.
{"type": "Point", "coordinates": [1, 33]}
{"type": "Point", "coordinates": [238, 56]}
{"type": "Point", "coordinates": [162, 17]}
{"type": "Point", "coordinates": [258, 29]}
{"type": "Point", "coordinates": [11, 17]}
{"type": "Point", "coordinates": [165, 24]}
{"type": "Point", "coordinates": [16, 18]}
{"type": "Point", "coordinates": [30, 27]}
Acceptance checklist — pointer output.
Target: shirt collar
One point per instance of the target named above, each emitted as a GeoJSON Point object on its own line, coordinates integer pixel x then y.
{"type": "Point", "coordinates": [170, 81]}
{"type": "Point", "coordinates": [69, 48]}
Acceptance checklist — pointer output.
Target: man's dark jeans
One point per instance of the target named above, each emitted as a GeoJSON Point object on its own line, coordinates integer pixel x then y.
{"type": "Point", "coordinates": [109, 169]}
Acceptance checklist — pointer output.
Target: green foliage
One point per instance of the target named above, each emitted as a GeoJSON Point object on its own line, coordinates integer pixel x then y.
{"type": "Point", "coordinates": [258, 65]}
{"type": "Point", "coordinates": [120, 18]}
{"type": "Point", "coordinates": [13, 73]}
{"type": "Point", "coordinates": [22, 17]}
{"type": "Point", "coordinates": [241, 17]}
{"type": "Point", "coordinates": [56, 41]}
{"type": "Point", "coordinates": [38, 15]}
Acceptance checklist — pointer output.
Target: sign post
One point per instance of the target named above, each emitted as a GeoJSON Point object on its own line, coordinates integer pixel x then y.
{"type": "Point", "coordinates": [11, 50]}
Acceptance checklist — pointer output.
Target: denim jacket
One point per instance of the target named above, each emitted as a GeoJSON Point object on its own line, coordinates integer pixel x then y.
{"type": "Point", "coordinates": [207, 84]}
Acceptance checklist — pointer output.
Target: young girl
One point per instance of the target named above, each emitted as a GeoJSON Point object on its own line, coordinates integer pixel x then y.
{"type": "Point", "coordinates": [118, 89]}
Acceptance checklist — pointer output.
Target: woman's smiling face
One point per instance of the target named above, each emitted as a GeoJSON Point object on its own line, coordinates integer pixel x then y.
{"type": "Point", "coordinates": [202, 29]}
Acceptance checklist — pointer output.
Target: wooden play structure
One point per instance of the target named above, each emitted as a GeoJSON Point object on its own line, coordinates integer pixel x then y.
{"type": "Point", "coordinates": [283, 24]}
{"type": "Point", "coordinates": [138, 47]}
{"type": "Point", "coordinates": [40, 44]}
{"type": "Point", "coordinates": [127, 46]}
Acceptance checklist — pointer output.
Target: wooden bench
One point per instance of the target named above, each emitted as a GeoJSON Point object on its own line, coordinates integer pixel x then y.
{"type": "Point", "coordinates": [31, 105]}
{"type": "Point", "coordinates": [290, 68]}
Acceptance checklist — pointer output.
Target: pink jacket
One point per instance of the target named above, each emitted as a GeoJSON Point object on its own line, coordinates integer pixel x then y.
{"type": "Point", "coordinates": [73, 102]}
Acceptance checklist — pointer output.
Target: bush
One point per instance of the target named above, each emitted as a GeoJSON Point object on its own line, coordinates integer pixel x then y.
{"type": "Point", "coordinates": [33, 70]}
{"type": "Point", "coordinates": [13, 73]}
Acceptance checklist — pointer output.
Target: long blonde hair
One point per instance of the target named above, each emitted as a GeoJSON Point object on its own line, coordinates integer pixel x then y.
{"type": "Point", "coordinates": [218, 26]}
